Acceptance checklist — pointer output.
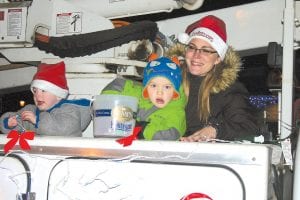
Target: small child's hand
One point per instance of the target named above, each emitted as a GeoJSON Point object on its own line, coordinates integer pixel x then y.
{"type": "Point", "coordinates": [12, 121]}
{"type": "Point", "coordinates": [28, 116]}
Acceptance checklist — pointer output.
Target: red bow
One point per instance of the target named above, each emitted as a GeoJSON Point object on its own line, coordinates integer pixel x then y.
{"type": "Point", "coordinates": [21, 137]}
{"type": "Point", "coordinates": [196, 195]}
{"type": "Point", "coordinates": [126, 141]}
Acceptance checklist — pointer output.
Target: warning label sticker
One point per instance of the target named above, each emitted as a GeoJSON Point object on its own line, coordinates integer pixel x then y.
{"type": "Point", "coordinates": [69, 23]}
{"type": "Point", "coordinates": [14, 22]}
{"type": "Point", "coordinates": [1, 15]}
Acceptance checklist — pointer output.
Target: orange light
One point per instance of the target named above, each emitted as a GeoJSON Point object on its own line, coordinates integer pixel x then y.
{"type": "Point", "coordinates": [22, 103]}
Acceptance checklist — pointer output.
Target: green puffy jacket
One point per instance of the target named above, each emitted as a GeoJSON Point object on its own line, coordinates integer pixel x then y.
{"type": "Point", "coordinates": [166, 123]}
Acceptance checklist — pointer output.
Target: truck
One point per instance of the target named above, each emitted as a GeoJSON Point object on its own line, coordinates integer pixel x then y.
{"type": "Point", "coordinates": [80, 34]}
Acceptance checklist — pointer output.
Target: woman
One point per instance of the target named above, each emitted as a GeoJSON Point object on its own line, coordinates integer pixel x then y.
{"type": "Point", "coordinates": [218, 106]}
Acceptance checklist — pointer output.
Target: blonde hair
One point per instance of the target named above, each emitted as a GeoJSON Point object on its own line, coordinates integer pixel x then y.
{"type": "Point", "coordinates": [226, 71]}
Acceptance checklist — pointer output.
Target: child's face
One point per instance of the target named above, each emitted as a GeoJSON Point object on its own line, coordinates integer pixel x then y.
{"type": "Point", "coordinates": [44, 100]}
{"type": "Point", "coordinates": [160, 91]}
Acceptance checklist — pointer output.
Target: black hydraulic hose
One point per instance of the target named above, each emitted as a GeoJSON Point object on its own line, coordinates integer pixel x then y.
{"type": "Point", "coordinates": [89, 43]}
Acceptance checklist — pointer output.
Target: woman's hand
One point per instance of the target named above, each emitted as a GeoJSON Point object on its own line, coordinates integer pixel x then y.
{"type": "Point", "coordinates": [204, 134]}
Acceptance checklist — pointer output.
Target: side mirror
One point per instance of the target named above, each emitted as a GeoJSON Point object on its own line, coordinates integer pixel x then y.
{"type": "Point", "coordinates": [274, 55]}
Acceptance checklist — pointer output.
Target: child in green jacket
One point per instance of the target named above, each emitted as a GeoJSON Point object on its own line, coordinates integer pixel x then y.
{"type": "Point", "coordinates": [161, 99]}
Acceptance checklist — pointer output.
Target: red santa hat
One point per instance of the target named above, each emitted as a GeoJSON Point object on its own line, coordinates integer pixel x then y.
{"type": "Point", "coordinates": [211, 29]}
{"type": "Point", "coordinates": [51, 78]}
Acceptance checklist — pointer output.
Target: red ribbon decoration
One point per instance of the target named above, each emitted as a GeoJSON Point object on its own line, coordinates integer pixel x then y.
{"type": "Point", "coordinates": [126, 141]}
{"type": "Point", "coordinates": [21, 137]}
{"type": "Point", "coordinates": [195, 195]}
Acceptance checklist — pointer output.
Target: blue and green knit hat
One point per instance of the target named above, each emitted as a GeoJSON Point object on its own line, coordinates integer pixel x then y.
{"type": "Point", "coordinates": [163, 67]}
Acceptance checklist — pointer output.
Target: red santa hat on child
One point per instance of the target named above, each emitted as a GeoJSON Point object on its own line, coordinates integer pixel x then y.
{"type": "Point", "coordinates": [211, 29]}
{"type": "Point", "coordinates": [51, 78]}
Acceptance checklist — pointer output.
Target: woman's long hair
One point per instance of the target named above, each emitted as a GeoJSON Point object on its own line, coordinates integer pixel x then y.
{"type": "Point", "coordinates": [205, 89]}
{"type": "Point", "coordinates": [219, 78]}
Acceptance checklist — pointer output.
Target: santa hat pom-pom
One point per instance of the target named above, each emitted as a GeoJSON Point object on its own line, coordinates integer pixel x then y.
{"type": "Point", "coordinates": [183, 38]}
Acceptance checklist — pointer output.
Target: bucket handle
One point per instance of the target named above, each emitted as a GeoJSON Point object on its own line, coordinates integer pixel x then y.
{"type": "Point", "coordinates": [91, 106]}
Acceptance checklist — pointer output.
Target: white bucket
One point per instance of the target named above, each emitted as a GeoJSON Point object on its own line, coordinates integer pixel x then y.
{"type": "Point", "coordinates": [114, 115]}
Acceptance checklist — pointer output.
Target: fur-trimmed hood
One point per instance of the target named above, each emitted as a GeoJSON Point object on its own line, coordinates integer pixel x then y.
{"type": "Point", "coordinates": [231, 66]}
{"type": "Point", "coordinates": [229, 74]}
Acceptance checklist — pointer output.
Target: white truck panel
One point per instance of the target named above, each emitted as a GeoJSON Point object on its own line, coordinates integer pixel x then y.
{"type": "Point", "coordinates": [148, 169]}
{"type": "Point", "coordinates": [249, 26]}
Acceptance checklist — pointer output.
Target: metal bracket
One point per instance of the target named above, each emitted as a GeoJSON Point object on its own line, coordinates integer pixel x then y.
{"type": "Point", "coordinates": [27, 196]}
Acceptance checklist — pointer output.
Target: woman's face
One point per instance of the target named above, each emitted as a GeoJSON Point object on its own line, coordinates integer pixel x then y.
{"type": "Point", "coordinates": [200, 57]}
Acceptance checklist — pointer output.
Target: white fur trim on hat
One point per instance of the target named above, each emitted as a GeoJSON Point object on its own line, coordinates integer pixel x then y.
{"type": "Point", "coordinates": [49, 87]}
{"type": "Point", "coordinates": [208, 35]}
{"type": "Point", "coordinates": [183, 38]}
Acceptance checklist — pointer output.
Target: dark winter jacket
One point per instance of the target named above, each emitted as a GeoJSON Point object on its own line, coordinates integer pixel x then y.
{"type": "Point", "coordinates": [231, 114]}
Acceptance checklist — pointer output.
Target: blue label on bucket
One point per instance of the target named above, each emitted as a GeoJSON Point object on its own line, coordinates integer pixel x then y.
{"type": "Point", "coordinates": [124, 127]}
{"type": "Point", "coordinates": [103, 113]}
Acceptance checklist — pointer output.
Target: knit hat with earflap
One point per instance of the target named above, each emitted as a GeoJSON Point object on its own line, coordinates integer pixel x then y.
{"type": "Point", "coordinates": [51, 78]}
{"type": "Point", "coordinates": [163, 67]}
{"type": "Point", "coordinates": [211, 29]}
